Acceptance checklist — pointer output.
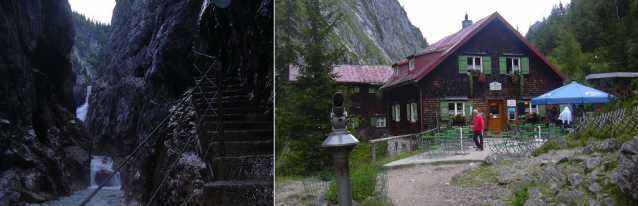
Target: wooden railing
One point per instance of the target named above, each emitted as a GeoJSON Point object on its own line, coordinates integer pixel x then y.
{"type": "Point", "coordinates": [615, 121]}
{"type": "Point", "coordinates": [375, 141]}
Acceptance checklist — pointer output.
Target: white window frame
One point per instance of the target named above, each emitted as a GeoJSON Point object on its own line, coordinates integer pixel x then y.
{"type": "Point", "coordinates": [397, 112]}
{"type": "Point", "coordinates": [413, 112]}
{"type": "Point", "coordinates": [411, 64]}
{"type": "Point", "coordinates": [532, 108]}
{"type": "Point", "coordinates": [512, 64]}
{"type": "Point", "coordinates": [472, 64]}
{"type": "Point", "coordinates": [455, 112]}
{"type": "Point", "coordinates": [396, 71]}
{"type": "Point", "coordinates": [380, 122]}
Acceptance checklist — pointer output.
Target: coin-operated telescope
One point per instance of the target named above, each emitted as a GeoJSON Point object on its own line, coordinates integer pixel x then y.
{"type": "Point", "coordinates": [340, 143]}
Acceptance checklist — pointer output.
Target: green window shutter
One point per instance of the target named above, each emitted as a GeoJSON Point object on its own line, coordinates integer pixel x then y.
{"type": "Point", "coordinates": [374, 121]}
{"type": "Point", "coordinates": [398, 108]}
{"type": "Point", "coordinates": [444, 114]}
{"type": "Point", "coordinates": [415, 111]}
{"type": "Point", "coordinates": [356, 89]}
{"type": "Point", "coordinates": [541, 110]}
{"type": "Point", "coordinates": [393, 115]}
{"type": "Point", "coordinates": [371, 89]}
{"type": "Point", "coordinates": [407, 112]}
{"type": "Point", "coordinates": [502, 65]}
{"type": "Point", "coordinates": [468, 107]}
{"type": "Point", "coordinates": [525, 65]}
{"type": "Point", "coordinates": [487, 65]}
{"type": "Point", "coordinates": [462, 64]}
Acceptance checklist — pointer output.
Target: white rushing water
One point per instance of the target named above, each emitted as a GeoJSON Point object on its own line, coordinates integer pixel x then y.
{"type": "Point", "coordinates": [81, 111]}
{"type": "Point", "coordinates": [106, 164]}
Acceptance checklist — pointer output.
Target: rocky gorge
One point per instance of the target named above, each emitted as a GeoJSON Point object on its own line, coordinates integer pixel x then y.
{"type": "Point", "coordinates": [155, 51]}
{"type": "Point", "coordinates": [44, 148]}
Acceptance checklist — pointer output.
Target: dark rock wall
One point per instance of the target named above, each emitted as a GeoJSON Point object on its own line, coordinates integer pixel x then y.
{"type": "Point", "coordinates": [44, 149]}
{"type": "Point", "coordinates": [150, 61]}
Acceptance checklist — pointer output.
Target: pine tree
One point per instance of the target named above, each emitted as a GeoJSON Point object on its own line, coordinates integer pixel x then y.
{"type": "Point", "coordinates": [303, 122]}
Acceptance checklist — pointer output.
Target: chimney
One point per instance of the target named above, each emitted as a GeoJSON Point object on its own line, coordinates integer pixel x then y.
{"type": "Point", "coordinates": [466, 22]}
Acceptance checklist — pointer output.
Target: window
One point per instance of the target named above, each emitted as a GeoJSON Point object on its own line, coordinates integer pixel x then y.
{"type": "Point", "coordinates": [371, 89]}
{"type": "Point", "coordinates": [396, 71]}
{"type": "Point", "coordinates": [411, 64]}
{"type": "Point", "coordinates": [474, 63]}
{"type": "Point", "coordinates": [355, 89]}
{"type": "Point", "coordinates": [378, 121]}
{"type": "Point", "coordinates": [513, 64]}
{"type": "Point", "coordinates": [456, 108]}
{"type": "Point", "coordinates": [408, 111]}
{"type": "Point", "coordinates": [397, 112]}
{"type": "Point", "coordinates": [414, 112]}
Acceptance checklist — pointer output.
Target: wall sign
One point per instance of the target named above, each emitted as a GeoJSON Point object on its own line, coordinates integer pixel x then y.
{"type": "Point", "coordinates": [511, 103]}
{"type": "Point", "coordinates": [495, 86]}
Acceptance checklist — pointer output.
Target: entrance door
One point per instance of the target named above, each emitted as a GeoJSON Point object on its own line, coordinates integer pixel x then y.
{"type": "Point", "coordinates": [496, 115]}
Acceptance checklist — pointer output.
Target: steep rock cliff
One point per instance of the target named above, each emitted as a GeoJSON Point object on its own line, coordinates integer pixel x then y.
{"type": "Point", "coordinates": [44, 149]}
{"type": "Point", "coordinates": [377, 32]}
{"type": "Point", "coordinates": [373, 32]}
{"type": "Point", "coordinates": [154, 51]}
{"type": "Point", "coordinates": [87, 53]}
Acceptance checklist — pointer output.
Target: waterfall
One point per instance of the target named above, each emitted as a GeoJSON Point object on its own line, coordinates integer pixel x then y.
{"type": "Point", "coordinates": [101, 168]}
{"type": "Point", "coordinates": [81, 111]}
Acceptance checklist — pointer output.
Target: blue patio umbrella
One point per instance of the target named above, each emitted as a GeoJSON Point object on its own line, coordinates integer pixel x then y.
{"type": "Point", "coordinates": [573, 93]}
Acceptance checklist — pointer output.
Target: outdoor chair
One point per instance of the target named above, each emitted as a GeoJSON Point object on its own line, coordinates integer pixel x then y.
{"type": "Point", "coordinates": [499, 143]}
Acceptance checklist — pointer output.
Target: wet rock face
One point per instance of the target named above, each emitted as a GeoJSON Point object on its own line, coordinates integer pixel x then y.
{"type": "Point", "coordinates": [628, 168]}
{"type": "Point", "coordinates": [43, 147]}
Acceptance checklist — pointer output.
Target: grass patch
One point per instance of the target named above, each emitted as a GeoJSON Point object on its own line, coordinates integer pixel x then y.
{"type": "Point", "coordinates": [545, 148]}
{"type": "Point", "coordinates": [386, 202]}
{"type": "Point", "coordinates": [520, 196]}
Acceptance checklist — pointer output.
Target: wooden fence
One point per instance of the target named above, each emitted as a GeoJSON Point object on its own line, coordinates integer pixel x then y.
{"type": "Point", "coordinates": [375, 141]}
{"type": "Point", "coordinates": [620, 120]}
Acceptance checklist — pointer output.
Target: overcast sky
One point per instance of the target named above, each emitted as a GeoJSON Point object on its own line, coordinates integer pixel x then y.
{"type": "Point", "coordinates": [438, 19]}
{"type": "Point", "coordinates": [99, 10]}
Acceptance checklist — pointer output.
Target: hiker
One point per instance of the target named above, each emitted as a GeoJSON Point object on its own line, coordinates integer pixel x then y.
{"type": "Point", "coordinates": [553, 115]}
{"type": "Point", "coordinates": [478, 130]}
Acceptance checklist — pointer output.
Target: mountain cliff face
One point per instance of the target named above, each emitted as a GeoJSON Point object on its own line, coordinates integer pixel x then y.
{"type": "Point", "coordinates": [154, 51]}
{"type": "Point", "coordinates": [376, 32]}
{"type": "Point", "coordinates": [87, 53]}
{"type": "Point", "coordinates": [44, 149]}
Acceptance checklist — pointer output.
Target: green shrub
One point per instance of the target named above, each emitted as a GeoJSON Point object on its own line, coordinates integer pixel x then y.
{"type": "Point", "coordinates": [545, 148]}
{"type": "Point", "coordinates": [363, 181]}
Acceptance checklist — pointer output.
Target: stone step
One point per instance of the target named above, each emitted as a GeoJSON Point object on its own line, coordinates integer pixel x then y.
{"type": "Point", "coordinates": [241, 148]}
{"type": "Point", "coordinates": [238, 125]}
{"type": "Point", "coordinates": [252, 167]}
{"type": "Point", "coordinates": [239, 117]}
{"type": "Point", "coordinates": [239, 193]}
{"type": "Point", "coordinates": [241, 135]}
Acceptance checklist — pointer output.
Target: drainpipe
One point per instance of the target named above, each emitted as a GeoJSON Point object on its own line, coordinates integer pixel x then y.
{"type": "Point", "coordinates": [420, 104]}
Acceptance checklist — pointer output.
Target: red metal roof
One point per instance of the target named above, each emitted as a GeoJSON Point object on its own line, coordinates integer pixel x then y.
{"type": "Point", "coordinates": [427, 59]}
{"type": "Point", "coordinates": [354, 73]}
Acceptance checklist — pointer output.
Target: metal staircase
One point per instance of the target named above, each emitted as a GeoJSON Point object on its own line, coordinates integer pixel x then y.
{"type": "Point", "coordinates": [237, 141]}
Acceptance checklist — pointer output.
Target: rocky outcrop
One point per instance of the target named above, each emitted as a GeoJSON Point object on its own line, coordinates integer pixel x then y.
{"type": "Point", "coordinates": [377, 32]}
{"type": "Point", "coordinates": [154, 51]}
{"type": "Point", "coordinates": [44, 148]}
{"type": "Point", "coordinates": [627, 172]}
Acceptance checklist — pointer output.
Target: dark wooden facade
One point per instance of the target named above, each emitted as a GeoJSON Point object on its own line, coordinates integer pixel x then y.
{"type": "Point", "coordinates": [369, 105]}
{"type": "Point", "coordinates": [446, 83]}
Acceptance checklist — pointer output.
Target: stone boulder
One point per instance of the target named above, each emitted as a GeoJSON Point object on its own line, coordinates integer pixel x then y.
{"type": "Point", "coordinates": [627, 171]}
{"type": "Point", "coordinates": [101, 176]}
{"type": "Point", "coordinates": [575, 179]}
{"type": "Point", "coordinates": [551, 174]}
{"type": "Point", "coordinates": [534, 202]}
{"type": "Point", "coordinates": [609, 144]}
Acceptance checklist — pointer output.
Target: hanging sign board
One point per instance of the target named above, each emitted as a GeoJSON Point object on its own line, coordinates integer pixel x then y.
{"type": "Point", "coordinates": [495, 86]}
{"type": "Point", "coordinates": [511, 102]}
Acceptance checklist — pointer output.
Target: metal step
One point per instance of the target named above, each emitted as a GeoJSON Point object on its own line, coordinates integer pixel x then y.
{"type": "Point", "coordinates": [239, 117]}
{"type": "Point", "coordinates": [253, 167]}
{"type": "Point", "coordinates": [241, 148]}
{"type": "Point", "coordinates": [238, 125]}
{"type": "Point", "coordinates": [239, 193]}
{"type": "Point", "coordinates": [242, 135]}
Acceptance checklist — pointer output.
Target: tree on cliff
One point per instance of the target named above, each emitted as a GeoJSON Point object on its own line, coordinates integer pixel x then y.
{"type": "Point", "coordinates": [303, 118]}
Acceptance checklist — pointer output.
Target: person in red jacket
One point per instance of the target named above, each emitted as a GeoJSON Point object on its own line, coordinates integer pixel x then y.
{"type": "Point", "coordinates": [478, 130]}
